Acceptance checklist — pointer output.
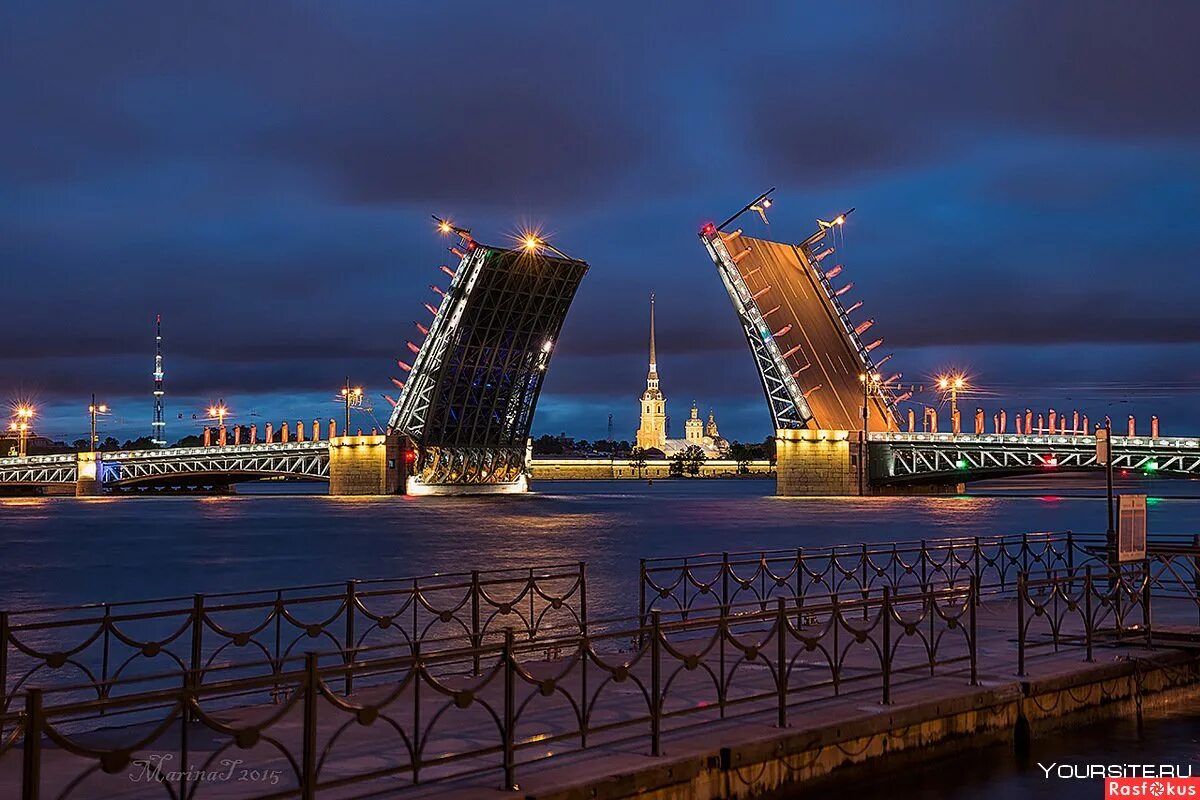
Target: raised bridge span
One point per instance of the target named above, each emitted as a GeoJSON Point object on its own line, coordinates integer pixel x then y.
{"type": "Point", "coordinates": [838, 412]}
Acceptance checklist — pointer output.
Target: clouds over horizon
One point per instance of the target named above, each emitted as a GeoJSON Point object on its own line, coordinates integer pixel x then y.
{"type": "Point", "coordinates": [1025, 177]}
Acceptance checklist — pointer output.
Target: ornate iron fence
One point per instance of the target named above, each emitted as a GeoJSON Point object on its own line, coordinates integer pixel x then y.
{"type": "Point", "coordinates": [381, 721]}
{"type": "Point", "coordinates": [95, 646]}
{"type": "Point", "coordinates": [428, 715]}
{"type": "Point", "coordinates": [680, 583]}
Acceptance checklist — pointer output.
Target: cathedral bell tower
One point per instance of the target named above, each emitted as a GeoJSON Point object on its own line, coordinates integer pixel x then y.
{"type": "Point", "coordinates": [652, 433]}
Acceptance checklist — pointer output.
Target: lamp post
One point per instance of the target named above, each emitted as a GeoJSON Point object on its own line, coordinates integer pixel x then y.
{"type": "Point", "coordinates": [219, 412]}
{"type": "Point", "coordinates": [953, 384]}
{"type": "Point", "coordinates": [93, 411]}
{"type": "Point", "coordinates": [351, 396]}
{"type": "Point", "coordinates": [869, 382]}
{"type": "Point", "coordinates": [21, 424]}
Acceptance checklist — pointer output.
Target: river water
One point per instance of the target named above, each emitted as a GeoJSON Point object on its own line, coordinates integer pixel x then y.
{"type": "Point", "coordinates": [58, 551]}
{"type": "Point", "coordinates": [1168, 736]}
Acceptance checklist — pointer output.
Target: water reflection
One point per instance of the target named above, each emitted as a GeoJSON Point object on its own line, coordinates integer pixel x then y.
{"type": "Point", "coordinates": [59, 550]}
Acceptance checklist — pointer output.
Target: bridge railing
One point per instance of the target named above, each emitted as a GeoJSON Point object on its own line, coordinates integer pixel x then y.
{"type": "Point", "coordinates": [494, 707]}
{"type": "Point", "coordinates": [96, 647]}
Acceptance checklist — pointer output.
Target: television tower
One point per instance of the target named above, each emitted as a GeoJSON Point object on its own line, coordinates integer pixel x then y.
{"type": "Point", "coordinates": [159, 436]}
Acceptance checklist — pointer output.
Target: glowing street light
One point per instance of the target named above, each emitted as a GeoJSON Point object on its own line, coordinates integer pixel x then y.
{"type": "Point", "coordinates": [952, 384]}
{"type": "Point", "coordinates": [22, 424]}
{"type": "Point", "coordinates": [94, 411]}
{"type": "Point", "coordinates": [352, 396]}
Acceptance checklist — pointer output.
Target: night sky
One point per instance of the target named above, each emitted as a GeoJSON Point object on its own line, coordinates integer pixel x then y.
{"type": "Point", "coordinates": [1026, 178]}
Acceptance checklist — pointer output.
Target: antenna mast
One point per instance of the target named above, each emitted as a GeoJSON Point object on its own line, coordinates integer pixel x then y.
{"type": "Point", "coordinates": [159, 436]}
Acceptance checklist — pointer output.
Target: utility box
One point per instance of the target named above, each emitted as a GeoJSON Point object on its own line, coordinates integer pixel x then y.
{"type": "Point", "coordinates": [1131, 528]}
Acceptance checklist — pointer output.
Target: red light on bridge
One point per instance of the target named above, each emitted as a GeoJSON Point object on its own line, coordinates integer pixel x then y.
{"type": "Point", "coordinates": [1051, 461]}
{"type": "Point", "coordinates": [708, 230]}
{"type": "Point", "coordinates": [410, 456]}
{"type": "Point", "coordinates": [471, 245]}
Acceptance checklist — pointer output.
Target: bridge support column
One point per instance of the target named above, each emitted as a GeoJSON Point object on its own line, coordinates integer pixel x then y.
{"type": "Point", "coordinates": [817, 463]}
{"type": "Point", "coordinates": [89, 475]}
{"type": "Point", "coordinates": [365, 465]}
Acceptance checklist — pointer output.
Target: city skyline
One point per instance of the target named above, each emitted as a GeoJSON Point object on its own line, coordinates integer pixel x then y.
{"type": "Point", "coordinates": [275, 210]}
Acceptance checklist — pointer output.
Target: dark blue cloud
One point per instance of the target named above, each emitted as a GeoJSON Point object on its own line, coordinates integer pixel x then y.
{"type": "Point", "coordinates": [262, 174]}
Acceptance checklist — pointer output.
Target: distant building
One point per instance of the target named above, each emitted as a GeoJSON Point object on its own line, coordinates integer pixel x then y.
{"type": "Point", "coordinates": [652, 432]}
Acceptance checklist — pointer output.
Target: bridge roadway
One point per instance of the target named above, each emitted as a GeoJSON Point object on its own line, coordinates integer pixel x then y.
{"type": "Point", "coordinates": [897, 458]}
{"type": "Point", "coordinates": [174, 465]}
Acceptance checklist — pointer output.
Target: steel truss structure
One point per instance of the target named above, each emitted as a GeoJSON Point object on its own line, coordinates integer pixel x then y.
{"type": "Point", "coordinates": [291, 459]}
{"type": "Point", "coordinates": [38, 470]}
{"type": "Point", "coordinates": [785, 395]}
{"type": "Point", "coordinates": [473, 388]}
{"type": "Point", "coordinates": [901, 457]}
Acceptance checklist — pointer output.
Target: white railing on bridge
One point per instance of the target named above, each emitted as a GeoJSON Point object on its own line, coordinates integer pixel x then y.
{"type": "Point", "coordinates": [1001, 439]}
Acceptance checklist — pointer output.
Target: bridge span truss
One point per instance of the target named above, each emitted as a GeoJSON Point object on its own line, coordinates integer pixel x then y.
{"type": "Point", "coordinates": [897, 458]}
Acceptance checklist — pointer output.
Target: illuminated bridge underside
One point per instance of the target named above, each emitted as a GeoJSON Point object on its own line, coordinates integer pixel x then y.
{"type": "Point", "coordinates": [810, 371]}
{"type": "Point", "coordinates": [470, 397]}
{"type": "Point", "coordinates": [179, 465]}
{"type": "Point", "coordinates": [919, 457]}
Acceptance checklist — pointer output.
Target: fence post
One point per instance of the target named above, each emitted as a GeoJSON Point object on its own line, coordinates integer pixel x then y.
{"type": "Point", "coordinates": [781, 666]}
{"type": "Point", "coordinates": [800, 587]}
{"type": "Point", "coordinates": [886, 611]}
{"type": "Point", "coordinates": [722, 633]}
{"type": "Point", "coordinates": [1196, 571]}
{"type": "Point", "coordinates": [971, 612]}
{"type": "Point", "coordinates": [348, 653]}
{"type": "Point", "coordinates": [106, 650]}
{"type": "Point", "coordinates": [31, 763]}
{"type": "Point", "coordinates": [510, 712]}
{"type": "Point", "coordinates": [724, 579]}
{"type": "Point", "coordinates": [3, 665]}
{"type": "Point", "coordinates": [641, 595]}
{"type": "Point", "coordinates": [1021, 623]}
{"type": "Point", "coordinates": [924, 566]}
{"type": "Point", "coordinates": [476, 635]}
{"type": "Point", "coordinates": [835, 623]}
{"type": "Point", "coordinates": [418, 670]}
{"type": "Point", "coordinates": [195, 664]}
{"type": "Point", "coordinates": [656, 684]}
{"type": "Point", "coordinates": [1146, 616]}
{"type": "Point", "coordinates": [1071, 551]}
{"type": "Point", "coordinates": [308, 788]}
{"type": "Point", "coordinates": [583, 626]}
{"type": "Point", "coordinates": [978, 571]}
{"type": "Point", "coordinates": [1025, 552]}
{"type": "Point", "coordinates": [1087, 610]}
{"type": "Point", "coordinates": [863, 578]}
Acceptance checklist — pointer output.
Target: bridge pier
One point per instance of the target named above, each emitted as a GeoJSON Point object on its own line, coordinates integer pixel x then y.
{"type": "Point", "coordinates": [366, 465]}
{"type": "Point", "coordinates": [89, 475]}
{"type": "Point", "coordinates": [817, 463]}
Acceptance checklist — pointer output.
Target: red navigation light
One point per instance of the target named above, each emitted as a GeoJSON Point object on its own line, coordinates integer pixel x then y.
{"type": "Point", "coordinates": [471, 245]}
{"type": "Point", "coordinates": [708, 230]}
{"type": "Point", "coordinates": [1051, 461]}
{"type": "Point", "coordinates": [410, 456]}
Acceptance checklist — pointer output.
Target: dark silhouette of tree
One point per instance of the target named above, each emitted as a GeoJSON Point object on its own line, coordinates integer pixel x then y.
{"type": "Point", "coordinates": [692, 458]}
{"type": "Point", "coordinates": [637, 460]}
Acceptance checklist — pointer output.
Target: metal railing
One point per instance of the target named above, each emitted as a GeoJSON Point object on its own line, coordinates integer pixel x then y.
{"type": "Point", "coordinates": [679, 583]}
{"type": "Point", "coordinates": [498, 705]}
{"type": "Point", "coordinates": [495, 707]}
{"type": "Point", "coordinates": [95, 646]}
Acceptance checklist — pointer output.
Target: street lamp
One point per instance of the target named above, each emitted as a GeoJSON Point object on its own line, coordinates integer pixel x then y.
{"type": "Point", "coordinates": [21, 424]}
{"type": "Point", "coordinates": [351, 396]}
{"type": "Point", "coordinates": [219, 412]}
{"type": "Point", "coordinates": [94, 411]}
{"type": "Point", "coordinates": [870, 382]}
{"type": "Point", "coordinates": [952, 384]}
